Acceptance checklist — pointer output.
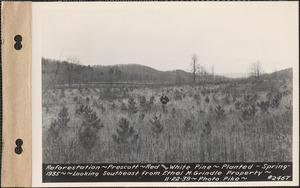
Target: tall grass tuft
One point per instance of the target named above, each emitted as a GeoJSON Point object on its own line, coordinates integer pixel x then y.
{"type": "Point", "coordinates": [157, 127]}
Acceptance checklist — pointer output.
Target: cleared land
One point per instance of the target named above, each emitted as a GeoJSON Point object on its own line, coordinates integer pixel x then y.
{"type": "Point", "coordinates": [230, 122]}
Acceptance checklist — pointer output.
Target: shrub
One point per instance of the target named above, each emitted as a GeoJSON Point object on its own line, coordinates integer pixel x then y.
{"type": "Point", "coordinates": [95, 104]}
{"type": "Point", "coordinates": [252, 109]}
{"type": "Point", "coordinates": [247, 98]}
{"type": "Point", "coordinates": [146, 106]}
{"type": "Point", "coordinates": [103, 109]}
{"type": "Point", "coordinates": [275, 102]}
{"type": "Point", "coordinates": [226, 99]}
{"type": "Point", "coordinates": [80, 109]}
{"type": "Point", "coordinates": [264, 105]}
{"type": "Point", "coordinates": [201, 110]}
{"type": "Point", "coordinates": [187, 125]}
{"type": "Point", "coordinates": [80, 90]}
{"type": "Point", "coordinates": [173, 112]}
{"type": "Point", "coordinates": [62, 94]}
{"type": "Point", "coordinates": [238, 105]}
{"type": "Point", "coordinates": [108, 95]}
{"type": "Point", "coordinates": [132, 106]}
{"type": "Point", "coordinates": [220, 112]}
{"type": "Point", "coordinates": [63, 117]}
{"type": "Point", "coordinates": [196, 97]}
{"type": "Point", "coordinates": [152, 100]}
{"type": "Point", "coordinates": [289, 106]}
{"type": "Point", "coordinates": [207, 99]}
{"type": "Point", "coordinates": [59, 124]}
{"type": "Point", "coordinates": [123, 106]}
{"type": "Point", "coordinates": [157, 128]}
{"type": "Point", "coordinates": [215, 98]}
{"type": "Point", "coordinates": [249, 113]}
{"type": "Point", "coordinates": [250, 98]}
{"type": "Point", "coordinates": [124, 94]}
{"type": "Point", "coordinates": [125, 133]}
{"type": "Point", "coordinates": [177, 96]}
{"type": "Point", "coordinates": [54, 129]}
{"type": "Point", "coordinates": [90, 126]}
{"type": "Point", "coordinates": [113, 106]}
{"type": "Point", "coordinates": [142, 101]}
{"type": "Point", "coordinates": [87, 100]}
{"type": "Point", "coordinates": [55, 138]}
{"type": "Point", "coordinates": [286, 92]}
{"type": "Point", "coordinates": [75, 99]}
{"type": "Point", "coordinates": [142, 116]}
{"type": "Point", "coordinates": [207, 128]}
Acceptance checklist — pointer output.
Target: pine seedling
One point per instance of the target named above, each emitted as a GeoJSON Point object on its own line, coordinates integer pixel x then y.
{"type": "Point", "coordinates": [132, 106]}
{"type": "Point", "coordinates": [90, 126]}
{"type": "Point", "coordinates": [125, 133]}
{"type": "Point", "coordinates": [220, 112]}
{"type": "Point", "coordinates": [157, 128]}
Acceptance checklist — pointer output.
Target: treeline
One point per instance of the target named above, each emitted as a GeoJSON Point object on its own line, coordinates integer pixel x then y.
{"type": "Point", "coordinates": [56, 72]}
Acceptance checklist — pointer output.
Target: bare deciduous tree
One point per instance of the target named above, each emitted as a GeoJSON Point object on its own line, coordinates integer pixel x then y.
{"type": "Point", "coordinates": [87, 75]}
{"type": "Point", "coordinates": [194, 67]}
{"type": "Point", "coordinates": [256, 69]}
{"type": "Point", "coordinates": [72, 69]}
{"type": "Point", "coordinates": [202, 74]}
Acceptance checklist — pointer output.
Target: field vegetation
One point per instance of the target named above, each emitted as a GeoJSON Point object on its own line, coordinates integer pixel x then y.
{"type": "Point", "coordinates": [236, 120]}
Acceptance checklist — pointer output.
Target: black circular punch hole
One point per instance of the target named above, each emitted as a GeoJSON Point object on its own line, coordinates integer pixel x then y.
{"type": "Point", "coordinates": [18, 46]}
{"type": "Point", "coordinates": [18, 40]}
{"type": "Point", "coordinates": [19, 142]}
{"type": "Point", "coordinates": [18, 150]}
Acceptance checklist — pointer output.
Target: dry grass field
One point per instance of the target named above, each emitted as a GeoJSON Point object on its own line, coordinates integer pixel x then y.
{"type": "Point", "coordinates": [229, 122]}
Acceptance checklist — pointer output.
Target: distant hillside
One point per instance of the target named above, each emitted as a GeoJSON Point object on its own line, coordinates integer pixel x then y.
{"type": "Point", "coordinates": [60, 73]}
{"type": "Point", "coordinates": [285, 74]}
{"type": "Point", "coordinates": [234, 75]}
{"type": "Point", "coordinates": [141, 73]}
{"type": "Point", "coordinates": [281, 74]}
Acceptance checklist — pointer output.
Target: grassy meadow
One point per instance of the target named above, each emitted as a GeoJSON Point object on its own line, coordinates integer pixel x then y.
{"type": "Point", "coordinates": [227, 122]}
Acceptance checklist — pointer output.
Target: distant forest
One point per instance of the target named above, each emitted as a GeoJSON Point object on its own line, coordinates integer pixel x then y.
{"type": "Point", "coordinates": [56, 72]}
{"type": "Point", "coordinates": [63, 73]}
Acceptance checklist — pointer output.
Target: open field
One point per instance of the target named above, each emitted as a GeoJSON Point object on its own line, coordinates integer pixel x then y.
{"type": "Point", "coordinates": [229, 122]}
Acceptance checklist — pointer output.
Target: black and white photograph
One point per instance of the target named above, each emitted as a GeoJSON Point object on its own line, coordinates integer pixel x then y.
{"type": "Point", "coordinates": [169, 82]}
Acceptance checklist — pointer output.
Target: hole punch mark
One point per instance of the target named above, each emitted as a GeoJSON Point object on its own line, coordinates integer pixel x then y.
{"type": "Point", "coordinates": [19, 142]}
{"type": "Point", "coordinates": [18, 40]}
{"type": "Point", "coordinates": [18, 149]}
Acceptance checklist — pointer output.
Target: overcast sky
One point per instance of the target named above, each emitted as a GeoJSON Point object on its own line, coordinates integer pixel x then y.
{"type": "Point", "coordinates": [227, 35]}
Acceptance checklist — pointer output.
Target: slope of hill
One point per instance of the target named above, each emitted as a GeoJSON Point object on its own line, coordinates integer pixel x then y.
{"type": "Point", "coordinates": [66, 73]}
{"type": "Point", "coordinates": [281, 74]}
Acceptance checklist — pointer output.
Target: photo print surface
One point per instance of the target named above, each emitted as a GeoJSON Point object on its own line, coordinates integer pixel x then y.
{"type": "Point", "coordinates": [168, 83]}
